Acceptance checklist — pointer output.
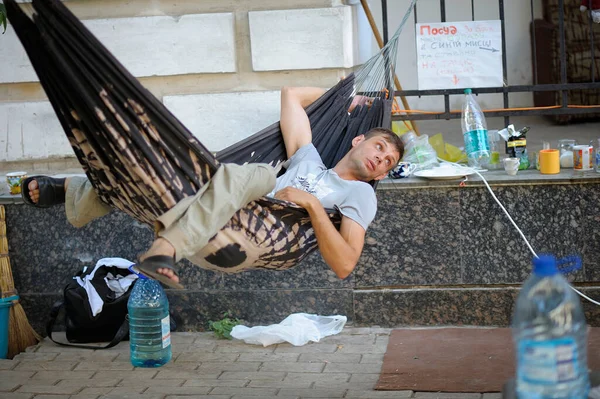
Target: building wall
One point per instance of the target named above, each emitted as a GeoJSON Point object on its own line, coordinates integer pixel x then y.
{"type": "Point", "coordinates": [217, 65]}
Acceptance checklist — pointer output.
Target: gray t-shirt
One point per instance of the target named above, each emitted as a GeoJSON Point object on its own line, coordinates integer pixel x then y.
{"type": "Point", "coordinates": [306, 171]}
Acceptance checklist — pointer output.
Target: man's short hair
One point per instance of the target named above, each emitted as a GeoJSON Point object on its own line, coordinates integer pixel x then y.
{"type": "Point", "coordinates": [389, 136]}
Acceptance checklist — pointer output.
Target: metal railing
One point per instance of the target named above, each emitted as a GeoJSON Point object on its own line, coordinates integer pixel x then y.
{"type": "Point", "coordinates": [564, 86]}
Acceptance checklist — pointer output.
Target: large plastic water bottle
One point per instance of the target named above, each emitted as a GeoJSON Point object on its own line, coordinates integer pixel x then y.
{"type": "Point", "coordinates": [149, 324]}
{"type": "Point", "coordinates": [475, 134]}
{"type": "Point", "coordinates": [550, 335]}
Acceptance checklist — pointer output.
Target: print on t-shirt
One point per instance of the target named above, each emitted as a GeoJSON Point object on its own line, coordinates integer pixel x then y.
{"type": "Point", "coordinates": [312, 185]}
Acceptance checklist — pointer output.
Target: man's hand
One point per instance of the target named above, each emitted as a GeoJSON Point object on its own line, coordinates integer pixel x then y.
{"type": "Point", "coordinates": [297, 196]}
{"type": "Point", "coordinates": [360, 100]}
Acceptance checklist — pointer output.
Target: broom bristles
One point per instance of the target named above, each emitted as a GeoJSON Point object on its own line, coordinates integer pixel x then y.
{"type": "Point", "coordinates": [7, 285]}
{"type": "Point", "coordinates": [20, 333]}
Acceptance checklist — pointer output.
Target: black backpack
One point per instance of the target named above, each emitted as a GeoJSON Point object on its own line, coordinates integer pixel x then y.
{"type": "Point", "coordinates": [110, 325]}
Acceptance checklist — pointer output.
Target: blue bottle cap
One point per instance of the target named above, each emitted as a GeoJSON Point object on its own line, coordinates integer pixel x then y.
{"type": "Point", "coordinates": [134, 270]}
{"type": "Point", "coordinates": [467, 91]}
{"type": "Point", "coordinates": [545, 265]}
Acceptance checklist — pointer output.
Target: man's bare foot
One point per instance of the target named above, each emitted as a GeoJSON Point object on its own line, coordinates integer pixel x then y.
{"type": "Point", "coordinates": [34, 191]}
{"type": "Point", "coordinates": [162, 247]}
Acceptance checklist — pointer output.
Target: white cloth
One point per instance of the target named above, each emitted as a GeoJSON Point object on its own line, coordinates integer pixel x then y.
{"type": "Point", "coordinates": [118, 284]}
{"type": "Point", "coordinates": [297, 329]}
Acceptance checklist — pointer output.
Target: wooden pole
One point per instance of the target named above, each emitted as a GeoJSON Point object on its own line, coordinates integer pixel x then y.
{"type": "Point", "coordinates": [365, 6]}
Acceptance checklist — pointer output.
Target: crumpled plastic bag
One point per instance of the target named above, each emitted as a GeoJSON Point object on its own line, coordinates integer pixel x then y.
{"type": "Point", "coordinates": [400, 128]}
{"type": "Point", "coordinates": [417, 150]}
{"type": "Point", "coordinates": [446, 151]}
{"type": "Point", "coordinates": [297, 329]}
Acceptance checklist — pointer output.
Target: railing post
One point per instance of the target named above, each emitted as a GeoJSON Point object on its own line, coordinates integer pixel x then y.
{"type": "Point", "coordinates": [534, 45]}
{"type": "Point", "coordinates": [504, 63]}
{"type": "Point", "coordinates": [446, 96]}
{"type": "Point", "coordinates": [384, 17]}
{"type": "Point", "coordinates": [563, 54]}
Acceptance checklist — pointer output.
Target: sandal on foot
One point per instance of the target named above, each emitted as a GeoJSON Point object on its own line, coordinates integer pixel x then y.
{"type": "Point", "coordinates": [148, 268]}
{"type": "Point", "coordinates": [52, 191]}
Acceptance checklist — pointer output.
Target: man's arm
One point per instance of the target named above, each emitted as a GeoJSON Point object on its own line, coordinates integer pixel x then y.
{"type": "Point", "coordinates": [295, 126]}
{"type": "Point", "coordinates": [340, 250]}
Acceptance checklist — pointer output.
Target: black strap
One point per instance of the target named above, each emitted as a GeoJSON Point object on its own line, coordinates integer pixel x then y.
{"type": "Point", "coordinates": [121, 332]}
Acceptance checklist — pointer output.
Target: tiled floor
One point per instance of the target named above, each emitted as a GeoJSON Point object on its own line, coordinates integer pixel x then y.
{"type": "Point", "coordinates": [346, 365]}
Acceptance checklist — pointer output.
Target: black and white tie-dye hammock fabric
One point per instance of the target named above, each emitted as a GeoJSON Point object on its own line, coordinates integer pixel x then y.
{"type": "Point", "coordinates": [142, 160]}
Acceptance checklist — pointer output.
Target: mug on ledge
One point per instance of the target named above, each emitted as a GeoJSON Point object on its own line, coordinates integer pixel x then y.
{"type": "Point", "coordinates": [402, 170]}
{"type": "Point", "coordinates": [511, 165]}
{"type": "Point", "coordinates": [14, 181]}
{"type": "Point", "coordinates": [583, 158]}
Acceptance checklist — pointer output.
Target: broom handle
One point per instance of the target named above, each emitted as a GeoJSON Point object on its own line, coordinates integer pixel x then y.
{"type": "Point", "coordinates": [380, 43]}
{"type": "Point", "coordinates": [3, 237]}
{"type": "Point", "coordinates": [7, 285]}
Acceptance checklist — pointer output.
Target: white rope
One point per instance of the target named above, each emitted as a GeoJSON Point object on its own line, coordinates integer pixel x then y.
{"type": "Point", "coordinates": [513, 222]}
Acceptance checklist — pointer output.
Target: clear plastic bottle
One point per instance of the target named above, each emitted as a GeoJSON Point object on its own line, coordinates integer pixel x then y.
{"type": "Point", "coordinates": [474, 130]}
{"type": "Point", "coordinates": [149, 324]}
{"type": "Point", "coordinates": [493, 139]}
{"type": "Point", "coordinates": [550, 335]}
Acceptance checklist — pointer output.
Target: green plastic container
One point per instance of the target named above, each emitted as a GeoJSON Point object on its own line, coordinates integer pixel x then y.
{"type": "Point", "coordinates": [5, 305]}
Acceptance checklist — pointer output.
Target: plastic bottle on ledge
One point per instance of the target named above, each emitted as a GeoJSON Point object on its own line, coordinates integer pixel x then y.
{"type": "Point", "coordinates": [149, 324]}
{"type": "Point", "coordinates": [493, 139]}
{"type": "Point", "coordinates": [474, 130]}
{"type": "Point", "coordinates": [550, 335]}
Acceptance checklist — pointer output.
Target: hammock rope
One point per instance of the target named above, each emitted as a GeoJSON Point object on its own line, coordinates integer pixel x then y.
{"type": "Point", "coordinates": [377, 73]}
{"type": "Point", "coordinates": [142, 160]}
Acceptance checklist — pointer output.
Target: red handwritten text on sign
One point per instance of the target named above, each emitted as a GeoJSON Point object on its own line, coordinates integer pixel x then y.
{"type": "Point", "coordinates": [444, 30]}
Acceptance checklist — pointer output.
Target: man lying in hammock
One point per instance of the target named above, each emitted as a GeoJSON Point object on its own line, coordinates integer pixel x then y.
{"type": "Point", "coordinates": [307, 183]}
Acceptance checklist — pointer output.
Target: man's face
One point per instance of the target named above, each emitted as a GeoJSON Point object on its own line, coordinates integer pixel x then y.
{"type": "Point", "coordinates": [373, 158]}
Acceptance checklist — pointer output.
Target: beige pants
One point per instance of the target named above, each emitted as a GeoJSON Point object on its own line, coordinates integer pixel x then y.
{"type": "Point", "coordinates": [190, 224]}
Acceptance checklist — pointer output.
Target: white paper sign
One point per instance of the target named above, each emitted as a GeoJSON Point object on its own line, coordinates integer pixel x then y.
{"type": "Point", "coordinates": [456, 55]}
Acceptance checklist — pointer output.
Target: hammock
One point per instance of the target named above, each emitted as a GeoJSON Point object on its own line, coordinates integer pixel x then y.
{"type": "Point", "coordinates": [142, 160]}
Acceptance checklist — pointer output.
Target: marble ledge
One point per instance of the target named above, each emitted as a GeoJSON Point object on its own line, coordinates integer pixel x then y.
{"type": "Point", "coordinates": [495, 178]}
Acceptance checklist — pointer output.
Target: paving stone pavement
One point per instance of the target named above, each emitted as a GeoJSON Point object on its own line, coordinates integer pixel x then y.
{"type": "Point", "coordinates": [346, 365]}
